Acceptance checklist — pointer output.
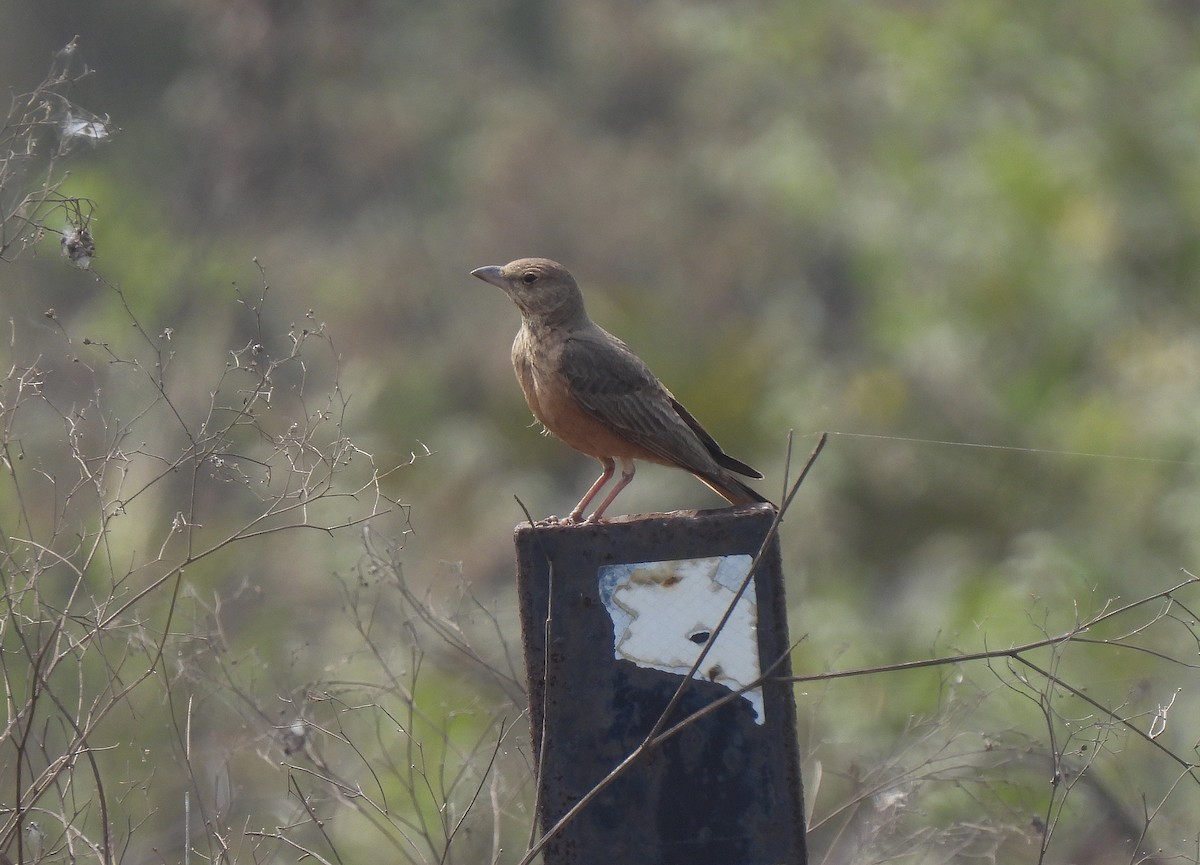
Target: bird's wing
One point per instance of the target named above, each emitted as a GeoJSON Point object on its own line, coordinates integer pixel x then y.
{"type": "Point", "coordinates": [613, 385]}
{"type": "Point", "coordinates": [723, 459]}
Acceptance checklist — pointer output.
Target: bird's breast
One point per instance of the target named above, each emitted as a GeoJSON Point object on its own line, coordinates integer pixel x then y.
{"type": "Point", "coordinates": [548, 393]}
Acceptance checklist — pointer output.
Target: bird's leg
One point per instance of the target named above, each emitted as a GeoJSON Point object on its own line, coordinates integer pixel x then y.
{"type": "Point", "coordinates": [609, 467]}
{"type": "Point", "coordinates": [626, 477]}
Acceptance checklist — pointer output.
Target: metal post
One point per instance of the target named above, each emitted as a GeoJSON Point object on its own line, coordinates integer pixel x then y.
{"type": "Point", "coordinates": [613, 616]}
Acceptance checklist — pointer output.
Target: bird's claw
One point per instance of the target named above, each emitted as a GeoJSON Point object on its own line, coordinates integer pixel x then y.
{"type": "Point", "coordinates": [552, 520]}
{"type": "Point", "coordinates": [575, 519]}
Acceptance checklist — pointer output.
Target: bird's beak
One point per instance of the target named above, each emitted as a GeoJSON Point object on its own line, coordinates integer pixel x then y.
{"type": "Point", "coordinates": [492, 274]}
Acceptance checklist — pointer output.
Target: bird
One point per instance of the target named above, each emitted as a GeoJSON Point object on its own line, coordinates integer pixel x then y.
{"type": "Point", "coordinates": [590, 390]}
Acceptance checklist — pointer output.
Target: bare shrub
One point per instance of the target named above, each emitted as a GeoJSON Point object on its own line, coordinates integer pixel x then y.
{"type": "Point", "coordinates": [42, 129]}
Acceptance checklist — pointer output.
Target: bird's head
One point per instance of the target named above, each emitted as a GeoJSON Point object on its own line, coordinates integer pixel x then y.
{"type": "Point", "coordinates": [542, 289]}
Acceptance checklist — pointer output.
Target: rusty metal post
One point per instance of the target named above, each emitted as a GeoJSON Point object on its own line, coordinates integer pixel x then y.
{"type": "Point", "coordinates": [613, 617]}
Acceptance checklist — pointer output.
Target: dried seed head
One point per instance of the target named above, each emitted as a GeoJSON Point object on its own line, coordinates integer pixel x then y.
{"type": "Point", "coordinates": [77, 245]}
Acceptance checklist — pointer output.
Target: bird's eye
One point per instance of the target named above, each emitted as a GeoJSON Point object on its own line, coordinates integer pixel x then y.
{"type": "Point", "coordinates": [529, 278]}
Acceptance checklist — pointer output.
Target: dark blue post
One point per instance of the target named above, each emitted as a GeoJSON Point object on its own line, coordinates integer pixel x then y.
{"type": "Point", "coordinates": [627, 606]}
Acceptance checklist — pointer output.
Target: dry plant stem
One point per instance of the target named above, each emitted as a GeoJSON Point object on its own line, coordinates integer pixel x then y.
{"type": "Point", "coordinates": [23, 220]}
{"type": "Point", "coordinates": [653, 738]}
{"type": "Point", "coordinates": [315, 820]}
{"type": "Point", "coordinates": [1058, 790]}
{"type": "Point", "coordinates": [45, 642]}
{"type": "Point", "coordinates": [415, 833]}
{"type": "Point", "coordinates": [1148, 816]}
{"type": "Point", "coordinates": [484, 775]}
{"type": "Point", "coordinates": [754, 566]}
{"type": "Point", "coordinates": [447, 630]}
{"type": "Point", "coordinates": [880, 785]}
{"type": "Point", "coordinates": [987, 654]}
{"type": "Point", "coordinates": [1188, 766]}
{"type": "Point", "coordinates": [42, 669]}
{"type": "Point", "coordinates": [1065, 777]}
{"type": "Point", "coordinates": [546, 626]}
{"type": "Point", "coordinates": [1017, 653]}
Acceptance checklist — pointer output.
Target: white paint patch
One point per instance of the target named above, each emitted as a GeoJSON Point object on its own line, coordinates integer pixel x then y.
{"type": "Point", "coordinates": [664, 612]}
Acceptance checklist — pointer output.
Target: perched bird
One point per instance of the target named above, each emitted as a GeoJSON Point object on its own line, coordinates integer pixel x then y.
{"type": "Point", "coordinates": [590, 390]}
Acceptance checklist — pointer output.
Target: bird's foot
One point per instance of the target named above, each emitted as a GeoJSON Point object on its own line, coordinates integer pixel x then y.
{"type": "Point", "coordinates": [575, 519]}
{"type": "Point", "coordinates": [571, 520]}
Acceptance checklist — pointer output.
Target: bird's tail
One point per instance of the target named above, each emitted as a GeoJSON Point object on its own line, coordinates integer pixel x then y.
{"type": "Point", "coordinates": [733, 490]}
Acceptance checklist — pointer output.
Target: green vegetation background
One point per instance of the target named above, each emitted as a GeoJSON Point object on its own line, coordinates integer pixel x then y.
{"type": "Point", "coordinates": [957, 221]}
